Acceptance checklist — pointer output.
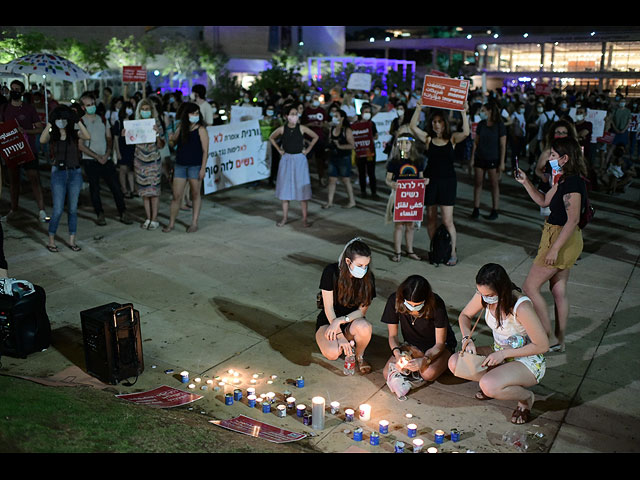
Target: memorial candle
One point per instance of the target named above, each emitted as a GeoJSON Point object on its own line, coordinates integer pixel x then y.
{"type": "Point", "coordinates": [317, 413]}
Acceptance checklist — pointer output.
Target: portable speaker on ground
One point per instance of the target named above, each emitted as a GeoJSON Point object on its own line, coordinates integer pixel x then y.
{"type": "Point", "coordinates": [24, 324]}
{"type": "Point", "coordinates": [112, 342]}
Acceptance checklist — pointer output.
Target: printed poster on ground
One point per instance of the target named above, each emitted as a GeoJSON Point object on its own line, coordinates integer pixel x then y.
{"type": "Point", "coordinates": [409, 201]}
{"type": "Point", "coordinates": [237, 155]}
{"type": "Point", "coordinates": [161, 397]}
{"type": "Point", "coordinates": [254, 428]}
{"type": "Point", "coordinates": [444, 92]}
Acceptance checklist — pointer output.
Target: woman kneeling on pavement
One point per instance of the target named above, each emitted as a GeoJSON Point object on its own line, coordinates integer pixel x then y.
{"type": "Point", "coordinates": [347, 290]}
{"type": "Point", "coordinates": [428, 337]}
{"type": "Point", "coordinates": [515, 361]}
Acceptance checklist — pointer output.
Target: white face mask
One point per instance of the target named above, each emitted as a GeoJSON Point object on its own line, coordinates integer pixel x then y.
{"type": "Point", "coordinates": [490, 300]}
{"type": "Point", "coordinates": [366, 116]}
{"type": "Point", "coordinates": [61, 123]}
{"type": "Point", "coordinates": [358, 272]}
{"type": "Point", "coordinates": [335, 120]}
{"type": "Point", "coordinates": [316, 103]}
{"type": "Point", "coordinates": [194, 119]}
{"type": "Point", "coordinates": [413, 308]}
{"type": "Point", "coordinates": [400, 112]}
{"type": "Point", "coordinates": [292, 118]}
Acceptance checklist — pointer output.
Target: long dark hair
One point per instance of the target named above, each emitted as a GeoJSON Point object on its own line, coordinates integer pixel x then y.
{"type": "Point", "coordinates": [446, 134]}
{"type": "Point", "coordinates": [570, 147]}
{"type": "Point", "coordinates": [351, 290]}
{"type": "Point", "coordinates": [63, 112]}
{"type": "Point", "coordinates": [185, 124]}
{"type": "Point", "coordinates": [416, 289]}
{"type": "Point", "coordinates": [495, 277]}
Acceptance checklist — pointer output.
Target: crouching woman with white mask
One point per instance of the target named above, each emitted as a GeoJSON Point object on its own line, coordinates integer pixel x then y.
{"type": "Point", "coordinates": [347, 288]}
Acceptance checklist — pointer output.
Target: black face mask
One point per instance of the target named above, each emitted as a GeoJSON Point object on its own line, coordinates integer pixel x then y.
{"type": "Point", "coordinates": [14, 95]}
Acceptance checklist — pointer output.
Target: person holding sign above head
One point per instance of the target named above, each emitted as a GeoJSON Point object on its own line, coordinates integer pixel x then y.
{"type": "Point", "coordinates": [442, 186]}
{"type": "Point", "coordinates": [488, 155]}
{"type": "Point", "coordinates": [147, 164]}
{"type": "Point", "coordinates": [341, 146]}
{"type": "Point", "coordinates": [515, 362]}
{"type": "Point", "coordinates": [293, 181]}
{"type": "Point", "coordinates": [429, 340]}
{"type": "Point", "coordinates": [192, 141]}
{"type": "Point", "coordinates": [405, 164]}
{"type": "Point", "coordinates": [365, 134]}
{"type": "Point", "coordinates": [347, 289]}
{"type": "Point", "coordinates": [561, 242]}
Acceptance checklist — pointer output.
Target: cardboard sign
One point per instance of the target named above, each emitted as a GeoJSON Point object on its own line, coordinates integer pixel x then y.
{"type": "Point", "coordinates": [443, 92]}
{"type": "Point", "coordinates": [240, 113]}
{"type": "Point", "coordinates": [543, 89]}
{"type": "Point", "coordinates": [134, 74]}
{"type": "Point", "coordinates": [139, 131]}
{"type": "Point", "coordinates": [161, 397]}
{"type": "Point", "coordinates": [383, 122]}
{"type": "Point", "coordinates": [363, 139]}
{"type": "Point", "coordinates": [237, 155]}
{"type": "Point", "coordinates": [254, 428]}
{"type": "Point", "coordinates": [409, 201]}
{"type": "Point", "coordinates": [607, 137]}
{"type": "Point", "coordinates": [359, 81]}
{"type": "Point", "coordinates": [14, 146]}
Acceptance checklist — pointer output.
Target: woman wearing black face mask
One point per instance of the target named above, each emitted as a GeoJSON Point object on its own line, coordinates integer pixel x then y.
{"type": "Point", "coordinates": [347, 288]}
{"type": "Point", "coordinates": [421, 316]}
{"type": "Point", "coordinates": [515, 361]}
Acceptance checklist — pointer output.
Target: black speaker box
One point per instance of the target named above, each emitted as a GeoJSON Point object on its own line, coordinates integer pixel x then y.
{"type": "Point", "coordinates": [24, 324]}
{"type": "Point", "coordinates": [112, 342]}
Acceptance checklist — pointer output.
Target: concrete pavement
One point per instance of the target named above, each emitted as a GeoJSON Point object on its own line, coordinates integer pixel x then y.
{"type": "Point", "coordinates": [240, 294]}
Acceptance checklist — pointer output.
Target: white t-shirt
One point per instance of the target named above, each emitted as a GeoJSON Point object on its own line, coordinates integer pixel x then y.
{"type": "Point", "coordinates": [207, 112]}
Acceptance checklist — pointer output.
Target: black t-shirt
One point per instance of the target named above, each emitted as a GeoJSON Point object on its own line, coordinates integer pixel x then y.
{"type": "Point", "coordinates": [405, 169]}
{"type": "Point", "coordinates": [329, 282]}
{"type": "Point", "coordinates": [420, 332]}
{"type": "Point", "coordinates": [489, 140]}
{"type": "Point", "coordinates": [571, 184]}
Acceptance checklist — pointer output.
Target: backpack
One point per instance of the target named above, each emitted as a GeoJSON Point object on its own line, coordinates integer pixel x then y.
{"type": "Point", "coordinates": [440, 246]}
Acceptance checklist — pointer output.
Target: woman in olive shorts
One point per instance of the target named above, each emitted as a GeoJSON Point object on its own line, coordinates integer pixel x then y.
{"type": "Point", "coordinates": [561, 242]}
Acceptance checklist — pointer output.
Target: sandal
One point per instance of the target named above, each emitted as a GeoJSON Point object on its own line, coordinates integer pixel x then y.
{"type": "Point", "coordinates": [363, 366]}
{"type": "Point", "coordinates": [52, 248]}
{"type": "Point", "coordinates": [192, 229]}
{"type": "Point", "coordinates": [453, 261]}
{"type": "Point", "coordinates": [74, 247]}
{"type": "Point", "coordinates": [396, 257]}
{"type": "Point", "coordinates": [520, 415]}
{"type": "Point", "coordinates": [413, 256]}
{"type": "Point", "coordinates": [481, 396]}
{"type": "Point", "coordinates": [559, 347]}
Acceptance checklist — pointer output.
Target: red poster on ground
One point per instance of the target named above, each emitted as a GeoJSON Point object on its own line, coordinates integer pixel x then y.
{"type": "Point", "coordinates": [134, 74]}
{"type": "Point", "coordinates": [252, 427]}
{"type": "Point", "coordinates": [14, 146]}
{"type": "Point", "coordinates": [443, 92]}
{"type": "Point", "coordinates": [363, 138]}
{"type": "Point", "coordinates": [161, 397]}
{"type": "Point", "coordinates": [409, 201]}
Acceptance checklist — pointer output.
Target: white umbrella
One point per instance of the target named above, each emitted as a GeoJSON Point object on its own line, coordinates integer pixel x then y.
{"type": "Point", "coordinates": [47, 65]}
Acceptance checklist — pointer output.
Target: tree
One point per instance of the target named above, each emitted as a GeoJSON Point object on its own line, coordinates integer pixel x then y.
{"type": "Point", "coordinates": [88, 56]}
{"type": "Point", "coordinates": [181, 57]}
{"type": "Point", "coordinates": [129, 52]}
{"type": "Point", "coordinates": [12, 47]}
{"type": "Point", "coordinates": [282, 75]}
{"type": "Point", "coordinates": [214, 63]}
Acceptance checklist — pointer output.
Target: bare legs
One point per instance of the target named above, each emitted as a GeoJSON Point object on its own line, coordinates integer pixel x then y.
{"type": "Point", "coordinates": [409, 230]}
{"type": "Point", "coordinates": [304, 205]}
{"type": "Point", "coordinates": [359, 330]}
{"type": "Point", "coordinates": [446, 211]}
{"type": "Point", "coordinates": [331, 191]}
{"type": "Point", "coordinates": [494, 180]}
{"type": "Point", "coordinates": [179, 185]}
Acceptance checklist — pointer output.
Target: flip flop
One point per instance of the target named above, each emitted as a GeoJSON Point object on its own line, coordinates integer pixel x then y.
{"type": "Point", "coordinates": [363, 366]}
{"type": "Point", "coordinates": [396, 257]}
{"type": "Point", "coordinates": [481, 396]}
{"type": "Point", "coordinates": [521, 416]}
{"type": "Point", "coordinates": [453, 261]}
{"type": "Point", "coordinates": [75, 248]}
{"type": "Point", "coordinates": [413, 256]}
{"type": "Point", "coordinates": [52, 248]}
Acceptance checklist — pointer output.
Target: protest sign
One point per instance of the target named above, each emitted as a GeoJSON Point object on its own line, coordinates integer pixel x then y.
{"type": "Point", "coordinates": [383, 125]}
{"type": "Point", "coordinates": [543, 89]}
{"type": "Point", "coordinates": [254, 428]}
{"type": "Point", "coordinates": [14, 146]}
{"type": "Point", "coordinates": [139, 131]}
{"type": "Point", "coordinates": [409, 200]}
{"type": "Point", "coordinates": [161, 397]}
{"type": "Point", "coordinates": [134, 74]}
{"type": "Point", "coordinates": [443, 92]}
{"type": "Point", "coordinates": [237, 155]}
{"type": "Point", "coordinates": [241, 113]}
{"type": "Point", "coordinates": [359, 81]}
{"type": "Point", "coordinates": [363, 139]}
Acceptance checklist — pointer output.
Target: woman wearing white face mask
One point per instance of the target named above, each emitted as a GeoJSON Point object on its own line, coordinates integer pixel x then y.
{"type": "Point", "coordinates": [192, 142]}
{"type": "Point", "coordinates": [365, 134]}
{"type": "Point", "coordinates": [421, 316]}
{"type": "Point", "coordinates": [147, 164]}
{"type": "Point", "coordinates": [341, 146]}
{"type": "Point", "coordinates": [561, 242]}
{"type": "Point", "coordinates": [515, 361]}
{"type": "Point", "coordinates": [347, 287]}
{"type": "Point", "coordinates": [293, 181]}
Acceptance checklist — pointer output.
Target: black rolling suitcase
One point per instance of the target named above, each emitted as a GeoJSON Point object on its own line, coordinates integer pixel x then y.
{"type": "Point", "coordinates": [112, 342]}
{"type": "Point", "coordinates": [24, 323]}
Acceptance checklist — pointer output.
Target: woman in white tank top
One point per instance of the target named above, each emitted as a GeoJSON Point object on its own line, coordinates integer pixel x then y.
{"type": "Point", "coordinates": [515, 361]}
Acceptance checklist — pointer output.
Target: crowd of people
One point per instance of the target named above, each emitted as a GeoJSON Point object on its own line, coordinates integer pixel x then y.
{"type": "Point", "coordinates": [87, 140]}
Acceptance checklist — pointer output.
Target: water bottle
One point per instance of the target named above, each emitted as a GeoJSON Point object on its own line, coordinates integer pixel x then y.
{"type": "Point", "coordinates": [516, 341]}
{"type": "Point", "coordinates": [350, 362]}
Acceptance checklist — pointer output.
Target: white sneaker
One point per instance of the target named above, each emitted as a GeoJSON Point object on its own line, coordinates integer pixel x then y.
{"type": "Point", "coordinates": [43, 216]}
{"type": "Point", "coordinates": [153, 225]}
{"type": "Point", "coordinates": [146, 223]}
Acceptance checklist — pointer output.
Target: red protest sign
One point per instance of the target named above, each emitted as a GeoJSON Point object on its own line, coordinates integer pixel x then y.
{"type": "Point", "coordinates": [409, 200]}
{"type": "Point", "coordinates": [161, 397]}
{"type": "Point", "coordinates": [443, 92]}
{"type": "Point", "coordinates": [363, 138]}
{"type": "Point", "coordinates": [252, 427]}
{"type": "Point", "coordinates": [134, 74]}
{"type": "Point", "coordinates": [543, 89]}
{"type": "Point", "coordinates": [608, 138]}
{"type": "Point", "coordinates": [14, 146]}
